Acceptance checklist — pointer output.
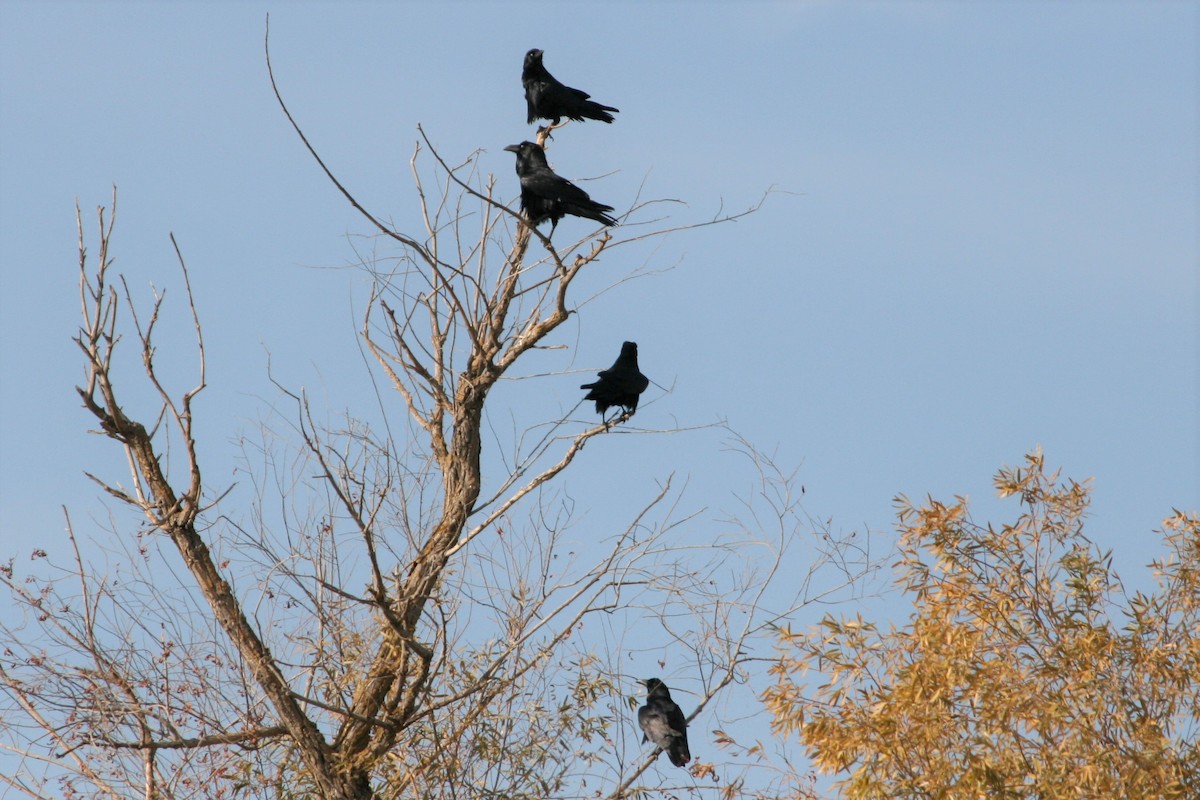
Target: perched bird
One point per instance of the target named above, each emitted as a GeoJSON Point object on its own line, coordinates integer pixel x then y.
{"type": "Point", "coordinates": [619, 385]}
{"type": "Point", "coordinates": [663, 723]}
{"type": "Point", "coordinates": [545, 195]}
{"type": "Point", "coordinates": [549, 99]}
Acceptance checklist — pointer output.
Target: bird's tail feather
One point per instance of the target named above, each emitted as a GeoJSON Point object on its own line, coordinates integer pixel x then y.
{"type": "Point", "coordinates": [678, 753]}
{"type": "Point", "coordinates": [593, 110]}
{"type": "Point", "coordinates": [598, 214]}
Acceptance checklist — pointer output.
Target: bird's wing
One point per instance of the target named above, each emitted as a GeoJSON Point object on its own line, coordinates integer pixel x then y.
{"type": "Point", "coordinates": [628, 379]}
{"type": "Point", "coordinates": [545, 183]}
{"type": "Point", "coordinates": [567, 94]}
{"type": "Point", "coordinates": [655, 727]}
{"type": "Point", "coordinates": [677, 720]}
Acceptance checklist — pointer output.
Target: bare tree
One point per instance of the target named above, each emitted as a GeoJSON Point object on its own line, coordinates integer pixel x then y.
{"type": "Point", "coordinates": [391, 613]}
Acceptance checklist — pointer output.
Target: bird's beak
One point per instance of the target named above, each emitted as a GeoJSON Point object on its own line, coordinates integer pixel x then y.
{"type": "Point", "coordinates": [513, 148]}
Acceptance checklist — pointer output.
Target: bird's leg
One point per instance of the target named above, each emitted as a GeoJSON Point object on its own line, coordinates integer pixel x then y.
{"type": "Point", "coordinates": [546, 132]}
{"type": "Point", "coordinates": [618, 418]}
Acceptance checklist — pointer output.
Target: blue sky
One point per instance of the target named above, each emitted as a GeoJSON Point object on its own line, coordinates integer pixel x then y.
{"type": "Point", "coordinates": [983, 237]}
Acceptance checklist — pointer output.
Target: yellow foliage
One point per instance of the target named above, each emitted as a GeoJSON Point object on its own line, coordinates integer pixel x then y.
{"type": "Point", "coordinates": [1024, 672]}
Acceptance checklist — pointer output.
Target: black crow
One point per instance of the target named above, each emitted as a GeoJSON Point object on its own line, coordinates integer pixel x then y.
{"type": "Point", "coordinates": [620, 384]}
{"type": "Point", "coordinates": [545, 195]}
{"type": "Point", "coordinates": [663, 723]}
{"type": "Point", "coordinates": [549, 99]}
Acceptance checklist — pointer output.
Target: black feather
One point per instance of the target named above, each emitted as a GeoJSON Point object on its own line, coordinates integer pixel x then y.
{"type": "Point", "coordinates": [620, 384]}
{"type": "Point", "coordinates": [663, 723]}
{"type": "Point", "coordinates": [546, 195]}
{"type": "Point", "coordinates": [547, 98]}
